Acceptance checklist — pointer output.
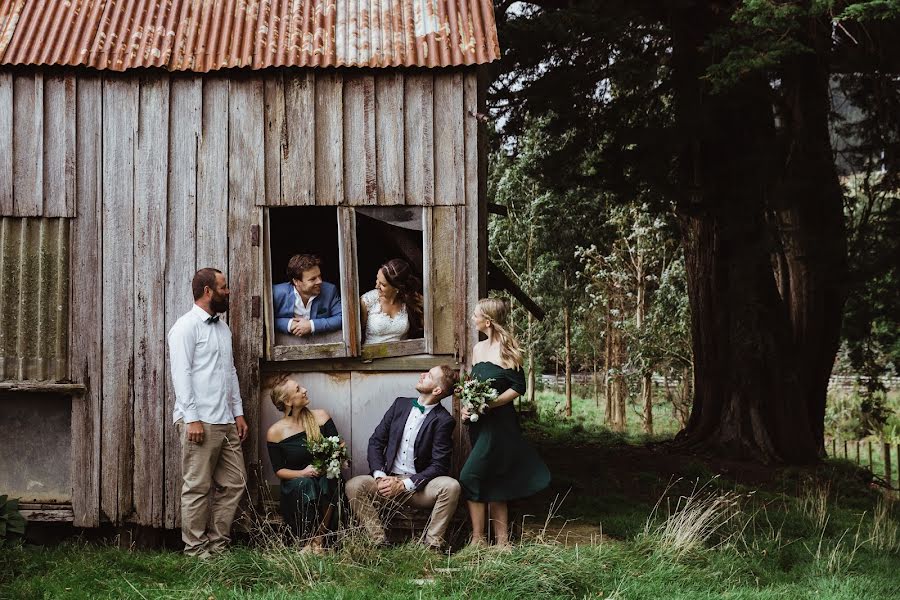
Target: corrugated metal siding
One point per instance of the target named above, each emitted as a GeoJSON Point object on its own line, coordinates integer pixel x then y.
{"type": "Point", "coordinates": [205, 35]}
{"type": "Point", "coordinates": [34, 259]}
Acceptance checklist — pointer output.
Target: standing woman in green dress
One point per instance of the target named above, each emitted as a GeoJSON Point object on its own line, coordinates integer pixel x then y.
{"type": "Point", "coordinates": [308, 497]}
{"type": "Point", "coordinates": [502, 466]}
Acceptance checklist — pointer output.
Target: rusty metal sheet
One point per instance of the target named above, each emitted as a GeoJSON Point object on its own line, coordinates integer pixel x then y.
{"type": "Point", "coordinates": [34, 264]}
{"type": "Point", "coordinates": [206, 35]}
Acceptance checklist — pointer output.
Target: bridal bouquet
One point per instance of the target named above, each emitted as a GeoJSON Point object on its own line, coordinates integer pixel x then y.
{"type": "Point", "coordinates": [329, 455]}
{"type": "Point", "coordinates": [474, 395]}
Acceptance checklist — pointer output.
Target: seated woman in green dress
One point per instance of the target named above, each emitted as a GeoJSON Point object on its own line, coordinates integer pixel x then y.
{"type": "Point", "coordinates": [308, 498]}
{"type": "Point", "coordinates": [502, 466]}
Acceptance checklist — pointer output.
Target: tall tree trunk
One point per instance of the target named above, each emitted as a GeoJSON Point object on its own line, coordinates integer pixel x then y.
{"type": "Point", "coordinates": [810, 215]}
{"type": "Point", "coordinates": [531, 370]}
{"type": "Point", "coordinates": [620, 388]}
{"type": "Point", "coordinates": [607, 364]}
{"type": "Point", "coordinates": [568, 327]}
{"type": "Point", "coordinates": [647, 396]}
{"type": "Point", "coordinates": [596, 382]}
{"type": "Point", "coordinates": [748, 399]}
{"type": "Point", "coordinates": [639, 316]}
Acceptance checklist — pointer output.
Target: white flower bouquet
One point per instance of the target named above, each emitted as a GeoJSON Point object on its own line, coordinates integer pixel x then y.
{"type": "Point", "coordinates": [474, 395]}
{"type": "Point", "coordinates": [330, 454]}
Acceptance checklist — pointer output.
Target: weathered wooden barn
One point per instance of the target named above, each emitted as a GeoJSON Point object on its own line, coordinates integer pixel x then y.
{"type": "Point", "coordinates": [142, 140]}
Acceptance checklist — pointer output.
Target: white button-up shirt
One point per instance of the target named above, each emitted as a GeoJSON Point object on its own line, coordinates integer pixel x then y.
{"type": "Point", "coordinates": [405, 463]}
{"type": "Point", "coordinates": [301, 311]}
{"type": "Point", "coordinates": [203, 373]}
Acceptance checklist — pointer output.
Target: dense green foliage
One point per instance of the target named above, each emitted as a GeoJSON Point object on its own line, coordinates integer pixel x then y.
{"type": "Point", "coordinates": [586, 150]}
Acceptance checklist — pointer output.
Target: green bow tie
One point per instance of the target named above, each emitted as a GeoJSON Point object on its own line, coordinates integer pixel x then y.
{"type": "Point", "coordinates": [416, 404]}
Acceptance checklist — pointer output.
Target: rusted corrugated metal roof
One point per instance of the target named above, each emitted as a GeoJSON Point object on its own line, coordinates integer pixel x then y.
{"type": "Point", "coordinates": [205, 35]}
{"type": "Point", "coordinates": [34, 260]}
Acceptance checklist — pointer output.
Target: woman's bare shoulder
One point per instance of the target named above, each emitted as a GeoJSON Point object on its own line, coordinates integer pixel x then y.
{"type": "Point", "coordinates": [276, 432]}
{"type": "Point", "coordinates": [321, 415]}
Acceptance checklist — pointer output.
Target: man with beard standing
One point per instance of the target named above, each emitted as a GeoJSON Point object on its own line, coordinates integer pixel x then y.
{"type": "Point", "coordinates": [208, 417]}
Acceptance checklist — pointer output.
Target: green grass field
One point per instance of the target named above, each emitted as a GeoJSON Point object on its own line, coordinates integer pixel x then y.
{"type": "Point", "coordinates": [631, 518]}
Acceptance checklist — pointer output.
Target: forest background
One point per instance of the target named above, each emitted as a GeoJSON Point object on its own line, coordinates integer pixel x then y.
{"type": "Point", "coordinates": [702, 196]}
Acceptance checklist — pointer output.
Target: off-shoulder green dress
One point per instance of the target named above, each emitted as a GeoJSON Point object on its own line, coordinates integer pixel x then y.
{"type": "Point", "coordinates": [503, 465]}
{"type": "Point", "coordinates": [304, 500]}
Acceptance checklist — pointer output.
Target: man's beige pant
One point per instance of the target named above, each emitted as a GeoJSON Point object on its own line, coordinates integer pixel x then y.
{"type": "Point", "coordinates": [214, 479]}
{"type": "Point", "coordinates": [440, 495]}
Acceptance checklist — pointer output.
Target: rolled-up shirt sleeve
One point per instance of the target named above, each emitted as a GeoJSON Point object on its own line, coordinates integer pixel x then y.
{"type": "Point", "coordinates": [181, 356]}
{"type": "Point", "coordinates": [237, 406]}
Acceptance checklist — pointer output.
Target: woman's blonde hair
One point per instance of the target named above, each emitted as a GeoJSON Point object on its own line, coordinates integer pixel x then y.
{"type": "Point", "coordinates": [496, 310]}
{"type": "Point", "coordinates": [279, 395]}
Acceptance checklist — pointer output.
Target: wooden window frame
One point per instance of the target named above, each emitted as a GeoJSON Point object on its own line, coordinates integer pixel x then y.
{"type": "Point", "coordinates": [351, 346]}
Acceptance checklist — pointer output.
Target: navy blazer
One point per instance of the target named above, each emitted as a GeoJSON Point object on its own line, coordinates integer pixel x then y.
{"type": "Point", "coordinates": [433, 447]}
{"type": "Point", "coordinates": [325, 310]}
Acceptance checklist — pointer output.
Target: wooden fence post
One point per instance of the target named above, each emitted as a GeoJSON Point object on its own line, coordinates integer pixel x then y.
{"type": "Point", "coordinates": [857, 451]}
{"type": "Point", "coordinates": [870, 456]}
{"type": "Point", "coordinates": [845, 449]}
{"type": "Point", "coordinates": [833, 447]}
{"type": "Point", "coordinates": [886, 452]}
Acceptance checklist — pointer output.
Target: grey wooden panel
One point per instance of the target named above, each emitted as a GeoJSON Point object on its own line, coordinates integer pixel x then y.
{"type": "Point", "coordinates": [150, 212]}
{"type": "Point", "coordinates": [274, 136]}
{"type": "Point", "coordinates": [246, 180]}
{"type": "Point", "coordinates": [360, 178]}
{"type": "Point", "coordinates": [59, 146]}
{"type": "Point", "coordinates": [449, 142]}
{"type": "Point", "coordinates": [389, 141]}
{"type": "Point", "coordinates": [475, 212]}
{"type": "Point", "coordinates": [329, 139]}
{"type": "Point", "coordinates": [186, 101]}
{"type": "Point", "coordinates": [298, 165]}
{"type": "Point", "coordinates": [212, 175]}
{"type": "Point", "coordinates": [372, 393]}
{"type": "Point", "coordinates": [85, 329]}
{"type": "Point", "coordinates": [28, 144]}
{"type": "Point", "coordinates": [329, 391]}
{"type": "Point", "coordinates": [444, 245]}
{"type": "Point", "coordinates": [418, 115]}
{"type": "Point", "coordinates": [120, 97]}
{"type": "Point", "coordinates": [6, 144]}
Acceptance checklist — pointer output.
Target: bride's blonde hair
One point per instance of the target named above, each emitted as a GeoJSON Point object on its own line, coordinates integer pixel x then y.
{"type": "Point", "coordinates": [279, 395]}
{"type": "Point", "coordinates": [497, 311]}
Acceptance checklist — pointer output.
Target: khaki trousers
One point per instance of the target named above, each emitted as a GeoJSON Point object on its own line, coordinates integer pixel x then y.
{"type": "Point", "coordinates": [440, 495]}
{"type": "Point", "coordinates": [214, 480]}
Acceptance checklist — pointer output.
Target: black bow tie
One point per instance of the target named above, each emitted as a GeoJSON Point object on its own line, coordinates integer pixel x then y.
{"type": "Point", "coordinates": [212, 319]}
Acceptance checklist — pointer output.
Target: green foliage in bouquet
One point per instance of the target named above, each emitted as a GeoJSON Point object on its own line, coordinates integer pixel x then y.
{"type": "Point", "coordinates": [12, 523]}
{"type": "Point", "coordinates": [474, 395]}
{"type": "Point", "coordinates": [329, 455]}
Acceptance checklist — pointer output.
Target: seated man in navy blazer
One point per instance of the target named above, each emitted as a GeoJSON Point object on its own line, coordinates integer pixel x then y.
{"type": "Point", "coordinates": [409, 460]}
{"type": "Point", "coordinates": [306, 305]}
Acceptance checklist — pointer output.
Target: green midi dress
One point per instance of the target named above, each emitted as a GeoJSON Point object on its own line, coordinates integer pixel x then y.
{"type": "Point", "coordinates": [503, 465]}
{"type": "Point", "coordinates": [304, 500]}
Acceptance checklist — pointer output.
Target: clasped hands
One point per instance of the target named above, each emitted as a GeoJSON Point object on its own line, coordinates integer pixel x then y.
{"type": "Point", "coordinates": [390, 487]}
{"type": "Point", "coordinates": [300, 326]}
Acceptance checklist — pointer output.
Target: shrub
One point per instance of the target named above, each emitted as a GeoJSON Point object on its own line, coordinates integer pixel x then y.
{"type": "Point", "coordinates": [12, 523]}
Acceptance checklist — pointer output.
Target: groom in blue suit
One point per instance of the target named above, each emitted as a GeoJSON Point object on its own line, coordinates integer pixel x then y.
{"type": "Point", "coordinates": [306, 305]}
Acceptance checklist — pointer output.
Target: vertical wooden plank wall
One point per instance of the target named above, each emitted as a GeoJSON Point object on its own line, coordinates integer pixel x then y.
{"type": "Point", "coordinates": [37, 144]}
{"type": "Point", "coordinates": [360, 179]}
{"type": "Point", "coordinates": [85, 287]}
{"type": "Point", "coordinates": [389, 141]}
{"type": "Point", "coordinates": [6, 143]}
{"type": "Point", "coordinates": [166, 173]}
{"type": "Point", "coordinates": [329, 147]}
{"type": "Point", "coordinates": [150, 222]}
{"type": "Point", "coordinates": [119, 139]}
{"type": "Point", "coordinates": [246, 181]}
{"type": "Point", "coordinates": [186, 101]}
{"type": "Point", "coordinates": [418, 118]}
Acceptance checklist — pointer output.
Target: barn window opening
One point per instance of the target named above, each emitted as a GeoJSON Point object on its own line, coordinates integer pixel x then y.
{"type": "Point", "coordinates": [306, 315]}
{"type": "Point", "coordinates": [391, 268]}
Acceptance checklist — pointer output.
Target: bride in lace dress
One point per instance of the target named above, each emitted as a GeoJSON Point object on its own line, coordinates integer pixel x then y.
{"type": "Point", "coordinates": [393, 310]}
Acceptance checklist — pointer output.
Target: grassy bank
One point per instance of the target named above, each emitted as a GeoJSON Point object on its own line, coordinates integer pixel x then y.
{"type": "Point", "coordinates": [666, 526]}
